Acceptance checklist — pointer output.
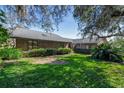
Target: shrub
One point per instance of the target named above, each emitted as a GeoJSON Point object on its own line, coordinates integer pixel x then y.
{"type": "Point", "coordinates": [82, 51]}
{"type": "Point", "coordinates": [10, 53]}
{"type": "Point", "coordinates": [36, 52]}
{"type": "Point", "coordinates": [46, 52]}
{"type": "Point", "coordinates": [1, 61]}
{"type": "Point", "coordinates": [118, 43]}
{"type": "Point", "coordinates": [106, 52]}
{"type": "Point", "coordinates": [4, 35]}
{"type": "Point", "coordinates": [26, 54]}
{"type": "Point", "coordinates": [50, 51]}
{"type": "Point", "coordinates": [63, 50]}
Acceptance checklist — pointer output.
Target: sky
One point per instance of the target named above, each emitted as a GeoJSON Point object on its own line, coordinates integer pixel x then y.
{"type": "Point", "coordinates": [67, 29]}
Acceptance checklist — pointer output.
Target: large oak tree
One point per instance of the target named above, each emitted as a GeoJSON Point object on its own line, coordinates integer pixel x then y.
{"type": "Point", "coordinates": [101, 21]}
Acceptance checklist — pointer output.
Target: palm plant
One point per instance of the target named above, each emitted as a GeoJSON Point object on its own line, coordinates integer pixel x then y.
{"type": "Point", "coordinates": [106, 52]}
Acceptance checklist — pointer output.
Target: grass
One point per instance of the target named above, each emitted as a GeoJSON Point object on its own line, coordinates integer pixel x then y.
{"type": "Point", "coordinates": [81, 71]}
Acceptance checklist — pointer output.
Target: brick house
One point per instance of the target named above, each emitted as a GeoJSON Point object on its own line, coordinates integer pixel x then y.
{"type": "Point", "coordinates": [26, 39]}
{"type": "Point", "coordinates": [86, 43]}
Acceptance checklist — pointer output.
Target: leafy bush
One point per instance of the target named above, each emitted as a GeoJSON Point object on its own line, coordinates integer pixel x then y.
{"type": "Point", "coordinates": [40, 52]}
{"type": "Point", "coordinates": [106, 52]}
{"type": "Point", "coordinates": [1, 61]}
{"type": "Point", "coordinates": [36, 52]}
{"type": "Point", "coordinates": [46, 52]}
{"type": "Point", "coordinates": [4, 35]}
{"type": "Point", "coordinates": [50, 51]}
{"type": "Point", "coordinates": [82, 51]}
{"type": "Point", "coordinates": [10, 53]}
{"type": "Point", "coordinates": [26, 54]}
{"type": "Point", "coordinates": [118, 43]}
{"type": "Point", "coordinates": [63, 50]}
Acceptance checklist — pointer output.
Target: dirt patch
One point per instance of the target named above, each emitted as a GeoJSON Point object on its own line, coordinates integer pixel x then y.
{"type": "Point", "coordinates": [40, 60]}
{"type": "Point", "coordinates": [10, 61]}
{"type": "Point", "coordinates": [34, 60]}
{"type": "Point", "coordinates": [45, 60]}
{"type": "Point", "coordinates": [59, 62]}
{"type": "Point", "coordinates": [48, 60]}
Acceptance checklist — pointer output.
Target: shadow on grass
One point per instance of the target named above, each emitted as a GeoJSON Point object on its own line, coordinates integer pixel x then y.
{"type": "Point", "coordinates": [75, 74]}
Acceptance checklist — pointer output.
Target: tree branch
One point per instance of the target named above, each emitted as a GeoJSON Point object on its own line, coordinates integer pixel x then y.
{"type": "Point", "coordinates": [107, 36]}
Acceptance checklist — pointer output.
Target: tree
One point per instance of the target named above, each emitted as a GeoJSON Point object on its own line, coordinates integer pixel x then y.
{"type": "Point", "coordinates": [42, 16]}
{"type": "Point", "coordinates": [118, 43]}
{"type": "Point", "coordinates": [100, 21]}
{"type": "Point", "coordinates": [3, 32]}
{"type": "Point", "coordinates": [95, 20]}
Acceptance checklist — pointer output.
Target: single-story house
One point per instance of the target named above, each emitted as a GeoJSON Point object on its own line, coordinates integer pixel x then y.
{"type": "Point", "coordinates": [26, 39]}
{"type": "Point", "coordinates": [87, 43]}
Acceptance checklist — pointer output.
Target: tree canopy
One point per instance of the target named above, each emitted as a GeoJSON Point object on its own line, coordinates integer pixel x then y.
{"type": "Point", "coordinates": [101, 21]}
{"type": "Point", "coordinates": [94, 20]}
{"type": "Point", "coordinates": [3, 32]}
{"type": "Point", "coordinates": [43, 16]}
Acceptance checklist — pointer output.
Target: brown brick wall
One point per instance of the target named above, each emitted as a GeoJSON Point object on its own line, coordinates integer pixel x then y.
{"type": "Point", "coordinates": [23, 44]}
{"type": "Point", "coordinates": [85, 45]}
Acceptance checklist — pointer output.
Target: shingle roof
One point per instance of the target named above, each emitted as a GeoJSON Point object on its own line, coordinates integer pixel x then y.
{"type": "Point", "coordinates": [86, 40]}
{"type": "Point", "coordinates": [30, 34]}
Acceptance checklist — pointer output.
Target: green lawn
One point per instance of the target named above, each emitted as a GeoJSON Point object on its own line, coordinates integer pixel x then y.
{"type": "Point", "coordinates": [81, 71]}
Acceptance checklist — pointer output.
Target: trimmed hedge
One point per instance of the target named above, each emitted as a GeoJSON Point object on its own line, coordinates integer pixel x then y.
{"type": "Point", "coordinates": [50, 51]}
{"type": "Point", "coordinates": [36, 52]}
{"type": "Point", "coordinates": [63, 51]}
{"type": "Point", "coordinates": [10, 53]}
{"type": "Point", "coordinates": [82, 51]}
{"type": "Point", "coordinates": [46, 52]}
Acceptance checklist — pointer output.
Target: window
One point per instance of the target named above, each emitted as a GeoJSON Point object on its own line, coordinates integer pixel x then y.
{"type": "Point", "coordinates": [77, 46]}
{"type": "Point", "coordinates": [90, 46]}
{"type": "Point", "coordinates": [87, 46]}
{"type": "Point", "coordinates": [83, 46]}
{"type": "Point", "coordinates": [29, 44]}
{"type": "Point", "coordinates": [32, 44]}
